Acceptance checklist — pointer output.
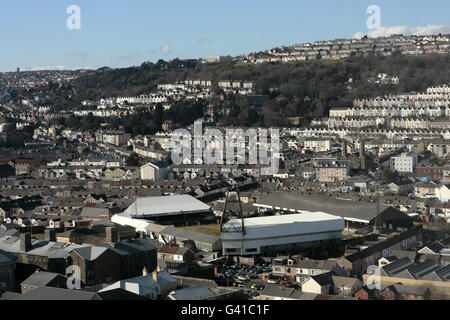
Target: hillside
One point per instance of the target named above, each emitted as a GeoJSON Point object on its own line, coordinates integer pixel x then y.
{"type": "Point", "coordinates": [305, 89]}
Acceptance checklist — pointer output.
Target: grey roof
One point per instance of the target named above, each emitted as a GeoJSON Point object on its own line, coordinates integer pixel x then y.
{"type": "Point", "coordinates": [119, 294]}
{"type": "Point", "coordinates": [396, 266]}
{"type": "Point", "coordinates": [165, 205]}
{"type": "Point", "coordinates": [444, 273]}
{"type": "Point", "coordinates": [41, 279]}
{"type": "Point", "coordinates": [324, 279]}
{"type": "Point", "coordinates": [422, 269]}
{"type": "Point", "coordinates": [5, 232]}
{"type": "Point", "coordinates": [6, 258]}
{"type": "Point", "coordinates": [378, 247]}
{"type": "Point", "coordinates": [50, 293]}
{"type": "Point", "coordinates": [145, 283]}
{"type": "Point", "coordinates": [400, 254]}
{"type": "Point", "coordinates": [93, 212]}
{"type": "Point", "coordinates": [90, 253]}
{"type": "Point", "coordinates": [347, 209]}
{"type": "Point", "coordinates": [192, 293]}
{"type": "Point", "coordinates": [307, 296]}
{"type": "Point", "coordinates": [435, 247]}
{"type": "Point", "coordinates": [414, 290]}
{"type": "Point", "coordinates": [44, 248]}
{"type": "Point", "coordinates": [131, 246]}
{"type": "Point", "coordinates": [277, 291]}
{"type": "Point", "coordinates": [8, 295]}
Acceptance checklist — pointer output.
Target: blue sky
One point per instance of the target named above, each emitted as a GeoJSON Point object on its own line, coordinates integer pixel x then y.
{"type": "Point", "coordinates": [122, 33]}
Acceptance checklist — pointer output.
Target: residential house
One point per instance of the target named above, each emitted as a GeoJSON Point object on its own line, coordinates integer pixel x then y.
{"type": "Point", "coordinates": [135, 253]}
{"type": "Point", "coordinates": [358, 262]}
{"type": "Point", "coordinates": [443, 193]}
{"type": "Point", "coordinates": [155, 285]}
{"type": "Point", "coordinates": [319, 284]}
{"type": "Point", "coordinates": [154, 171]}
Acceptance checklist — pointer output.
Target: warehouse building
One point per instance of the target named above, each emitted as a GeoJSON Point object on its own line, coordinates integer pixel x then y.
{"type": "Point", "coordinates": [153, 207]}
{"type": "Point", "coordinates": [268, 235]}
{"type": "Point", "coordinates": [177, 210]}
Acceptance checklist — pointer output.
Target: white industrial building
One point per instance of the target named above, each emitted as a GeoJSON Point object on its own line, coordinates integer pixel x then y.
{"type": "Point", "coordinates": [265, 235]}
{"type": "Point", "coordinates": [153, 207]}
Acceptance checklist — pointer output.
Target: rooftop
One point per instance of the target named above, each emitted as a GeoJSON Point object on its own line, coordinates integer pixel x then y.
{"type": "Point", "coordinates": [349, 210]}
{"type": "Point", "coordinates": [165, 205]}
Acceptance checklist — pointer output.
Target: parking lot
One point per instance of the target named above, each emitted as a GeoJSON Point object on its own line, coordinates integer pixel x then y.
{"type": "Point", "coordinates": [248, 277]}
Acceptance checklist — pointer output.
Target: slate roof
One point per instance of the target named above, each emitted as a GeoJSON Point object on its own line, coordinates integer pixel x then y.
{"type": "Point", "coordinates": [6, 258]}
{"type": "Point", "coordinates": [391, 214]}
{"type": "Point", "coordinates": [44, 248]}
{"type": "Point", "coordinates": [192, 293]}
{"type": "Point", "coordinates": [396, 266]}
{"type": "Point", "coordinates": [145, 284]}
{"type": "Point", "coordinates": [378, 247]}
{"type": "Point", "coordinates": [131, 246]}
{"type": "Point", "coordinates": [41, 279]}
{"type": "Point", "coordinates": [435, 247]}
{"type": "Point", "coordinates": [90, 253]}
{"type": "Point", "coordinates": [119, 294]}
{"type": "Point", "coordinates": [57, 294]}
{"type": "Point", "coordinates": [421, 269]}
{"type": "Point", "coordinates": [277, 291]}
{"type": "Point", "coordinates": [408, 290]}
{"type": "Point", "coordinates": [94, 212]}
{"type": "Point", "coordinates": [444, 273]}
{"type": "Point", "coordinates": [324, 279]}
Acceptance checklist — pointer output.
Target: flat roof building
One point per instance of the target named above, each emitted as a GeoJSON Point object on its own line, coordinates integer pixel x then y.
{"type": "Point", "coordinates": [267, 235]}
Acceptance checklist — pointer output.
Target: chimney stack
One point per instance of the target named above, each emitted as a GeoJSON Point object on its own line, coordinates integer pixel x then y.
{"type": "Point", "coordinates": [50, 235]}
{"type": "Point", "coordinates": [155, 275]}
{"type": "Point", "coordinates": [25, 242]}
{"type": "Point", "coordinates": [144, 271]}
{"type": "Point", "coordinates": [111, 235]}
{"type": "Point", "coordinates": [362, 149]}
{"type": "Point", "coordinates": [344, 149]}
